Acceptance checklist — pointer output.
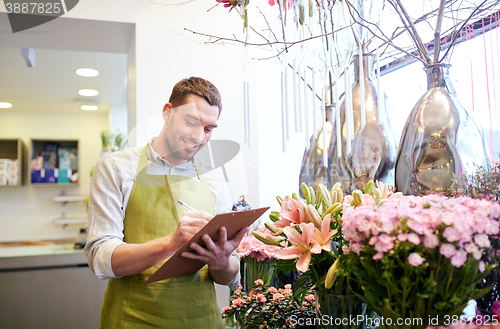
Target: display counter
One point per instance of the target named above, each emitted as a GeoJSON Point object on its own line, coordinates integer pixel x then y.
{"type": "Point", "coordinates": [48, 286]}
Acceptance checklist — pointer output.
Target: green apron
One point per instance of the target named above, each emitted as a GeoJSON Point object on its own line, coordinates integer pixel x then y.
{"type": "Point", "coordinates": [187, 301]}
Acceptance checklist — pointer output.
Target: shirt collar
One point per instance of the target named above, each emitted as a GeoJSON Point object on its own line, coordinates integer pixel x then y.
{"type": "Point", "coordinates": [153, 156]}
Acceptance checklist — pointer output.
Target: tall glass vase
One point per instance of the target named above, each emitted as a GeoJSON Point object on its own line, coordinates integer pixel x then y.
{"type": "Point", "coordinates": [440, 141]}
{"type": "Point", "coordinates": [373, 150]}
{"type": "Point", "coordinates": [313, 170]}
{"type": "Point", "coordinates": [255, 269]}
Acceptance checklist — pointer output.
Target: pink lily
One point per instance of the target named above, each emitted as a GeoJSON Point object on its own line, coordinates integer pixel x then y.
{"type": "Point", "coordinates": [303, 245]}
{"type": "Point", "coordinates": [323, 237]}
{"type": "Point", "coordinates": [292, 211]}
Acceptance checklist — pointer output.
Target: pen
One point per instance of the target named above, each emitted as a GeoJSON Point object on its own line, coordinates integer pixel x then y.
{"type": "Point", "coordinates": [185, 205]}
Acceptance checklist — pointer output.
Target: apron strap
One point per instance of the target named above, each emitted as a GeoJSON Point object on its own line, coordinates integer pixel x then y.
{"type": "Point", "coordinates": [143, 161]}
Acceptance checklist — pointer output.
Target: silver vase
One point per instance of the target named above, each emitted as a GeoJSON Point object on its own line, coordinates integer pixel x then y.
{"type": "Point", "coordinates": [313, 169]}
{"type": "Point", "coordinates": [440, 141]}
{"type": "Point", "coordinates": [374, 146]}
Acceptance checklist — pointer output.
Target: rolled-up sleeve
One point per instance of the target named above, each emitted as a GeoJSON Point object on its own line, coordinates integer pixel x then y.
{"type": "Point", "coordinates": [106, 214]}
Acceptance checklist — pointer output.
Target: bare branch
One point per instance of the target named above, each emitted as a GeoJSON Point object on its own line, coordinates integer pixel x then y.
{"type": "Point", "coordinates": [437, 31]}
{"type": "Point", "coordinates": [461, 27]}
{"type": "Point", "coordinates": [413, 32]}
{"type": "Point", "coordinates": [282, 24]}
{"type": "Point", "coordinates": [387, 40]}
{"type": "Point", "coordinates": [286, 43]}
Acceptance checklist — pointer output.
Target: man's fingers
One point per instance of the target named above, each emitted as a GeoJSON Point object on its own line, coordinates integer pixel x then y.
{"type": "Point", "coordinates": [235, 242]}
{"type": "Point", "coordinates": [193, 255]}
{"type": "Point", "coordinates": [222, 236]}
{"type": "Point", "coordinates": [208, 242]}
{"type": "Point", "coordinates": [193, 221]}
{"type": "Point", "coordinates": [198, 214]}
{"type": "Point", "coordinates": [199, 249]}
{"type": "Point", "coordinates": [241, 233]}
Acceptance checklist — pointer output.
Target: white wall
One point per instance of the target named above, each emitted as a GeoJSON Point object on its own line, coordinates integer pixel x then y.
{"type": "Point", "coordinates": [27, 212]}
{"type": "Point", "coordinates": [166, 53]}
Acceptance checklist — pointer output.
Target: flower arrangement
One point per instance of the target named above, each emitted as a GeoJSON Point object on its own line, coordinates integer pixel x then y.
{"type": "Point", "coordinates": [485, 184]}
{"type": "Point", "coordinates": [258, 258]}
{"type": "Point", "coordinates": [266, 307]}
{"type": "Point", "coordinates": [310, 236]}
{"type": "Point", "coordinates": [420, 257]}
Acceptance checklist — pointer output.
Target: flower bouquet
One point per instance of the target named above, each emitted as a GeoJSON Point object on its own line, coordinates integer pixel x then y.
{"type": "Point", "coordinates": [310, 233]}
{"type": "Point", "coordinates": [418, 259]}
{"type": "Point", "coordinates": [485, 184]}
{"type": "Point", "coordinates": [266, 307]}
{"type": "Point", "coordinates": [258, 258]}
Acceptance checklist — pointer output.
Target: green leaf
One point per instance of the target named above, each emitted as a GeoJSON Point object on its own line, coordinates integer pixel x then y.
{"type": "Point", "coordinates": [300, 288]}
{"type": "Point", "coordinates": [481, 292]}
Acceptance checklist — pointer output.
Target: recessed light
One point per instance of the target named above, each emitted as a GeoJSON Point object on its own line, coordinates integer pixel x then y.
{"type": "Point", "coordinates": [5, 105]}
{"type": "Point", "coordinates": [89, 107]}
{"type": "Point", "coordinates": [88, 92]}
{"type": "Point", "coordinates": [85, 72]}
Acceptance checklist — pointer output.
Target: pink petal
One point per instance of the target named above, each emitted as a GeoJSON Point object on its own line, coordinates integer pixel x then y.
{"type": "Point", "coordinates": [288, 253]}
{"type": "Point", "coordinates": [303, 262]}
{"type": "Point", "coordinates": [307, 232]}
{"type": "Point", "coordinates": [283, 222]}
{"type": "Point", "coordinates": [316, 248]}
{"type": "Point", "coordinates": [293, 235]}
{"type": "Point", "coordinates": [325, 225]}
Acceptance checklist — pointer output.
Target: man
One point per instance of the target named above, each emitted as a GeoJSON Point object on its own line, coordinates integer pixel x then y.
{"type": "Point", "coordinates": [136, 223]}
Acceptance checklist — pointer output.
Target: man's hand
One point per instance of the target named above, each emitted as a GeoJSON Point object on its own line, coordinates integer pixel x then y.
{"type": "Point", "coordinates": [217, 255]}
{"type": "Point", "coordinates": [189, 224]}
{"type": "Point", "coordinates": [128, 259]}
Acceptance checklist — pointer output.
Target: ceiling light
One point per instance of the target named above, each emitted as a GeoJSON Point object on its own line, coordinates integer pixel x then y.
{"type": "Point", "coordinates": [89, 107]}
{"type": "Point", "coordinates": [85, 72]}
{"type": "Point", "coordinates": [5, 105]}
{"type": "Point", "coordinates": [88, 92]}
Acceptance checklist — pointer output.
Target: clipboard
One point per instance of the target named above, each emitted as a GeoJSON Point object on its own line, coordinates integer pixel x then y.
{"type": "Point", "coordinates": [232, 221]}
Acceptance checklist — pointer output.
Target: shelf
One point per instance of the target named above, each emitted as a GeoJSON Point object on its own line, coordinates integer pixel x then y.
{"type": "Point", "coordinates": [11, 162]}
{"type": "Point", "coordinates": [70, 198]}
{"type": "Point", "coordinates": [71, 220]}
{"type": "Point", "coordinates": [56, 184]}
{"type": "Point", "coordinates": [54, 162]}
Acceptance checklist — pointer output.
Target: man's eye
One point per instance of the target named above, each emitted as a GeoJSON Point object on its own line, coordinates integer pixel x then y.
{"type": "Point", "coordinates": [208, 130]}
{"type": "Point", "coordinates": [191, 124]}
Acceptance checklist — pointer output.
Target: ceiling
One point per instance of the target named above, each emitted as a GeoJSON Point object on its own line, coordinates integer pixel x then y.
{"type": "Point", "coordinates": [52, 85]}
{"type": "Point", "coordinates": [64, 45]}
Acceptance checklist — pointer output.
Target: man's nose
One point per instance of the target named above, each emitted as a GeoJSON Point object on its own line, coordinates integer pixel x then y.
{"type": "Point", "coordinates": [197, 134]}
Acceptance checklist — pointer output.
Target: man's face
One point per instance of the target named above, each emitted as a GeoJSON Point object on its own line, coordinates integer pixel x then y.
{"type": "Point", "coordinates": [188, 128]}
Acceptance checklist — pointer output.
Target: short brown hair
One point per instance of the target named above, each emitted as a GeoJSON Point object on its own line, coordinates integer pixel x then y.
{"type": "Point", "coordinates": [196, 86]}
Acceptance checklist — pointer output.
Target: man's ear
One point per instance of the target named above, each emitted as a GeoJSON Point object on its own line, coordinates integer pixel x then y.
{"type": "Point", "coordinates": [167, 109]}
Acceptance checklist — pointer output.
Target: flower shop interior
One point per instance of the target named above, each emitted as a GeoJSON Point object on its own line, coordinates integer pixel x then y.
{"type": "Point", "coordinates": [384, 196]}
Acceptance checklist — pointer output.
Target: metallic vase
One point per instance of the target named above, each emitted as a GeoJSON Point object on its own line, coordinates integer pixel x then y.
{"type": "Point", "coordinates": [440, 141]}
{"type": "Point", "coordinates": [313, 169]}
{"type": "Point", "coordinates": [373, 150]}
